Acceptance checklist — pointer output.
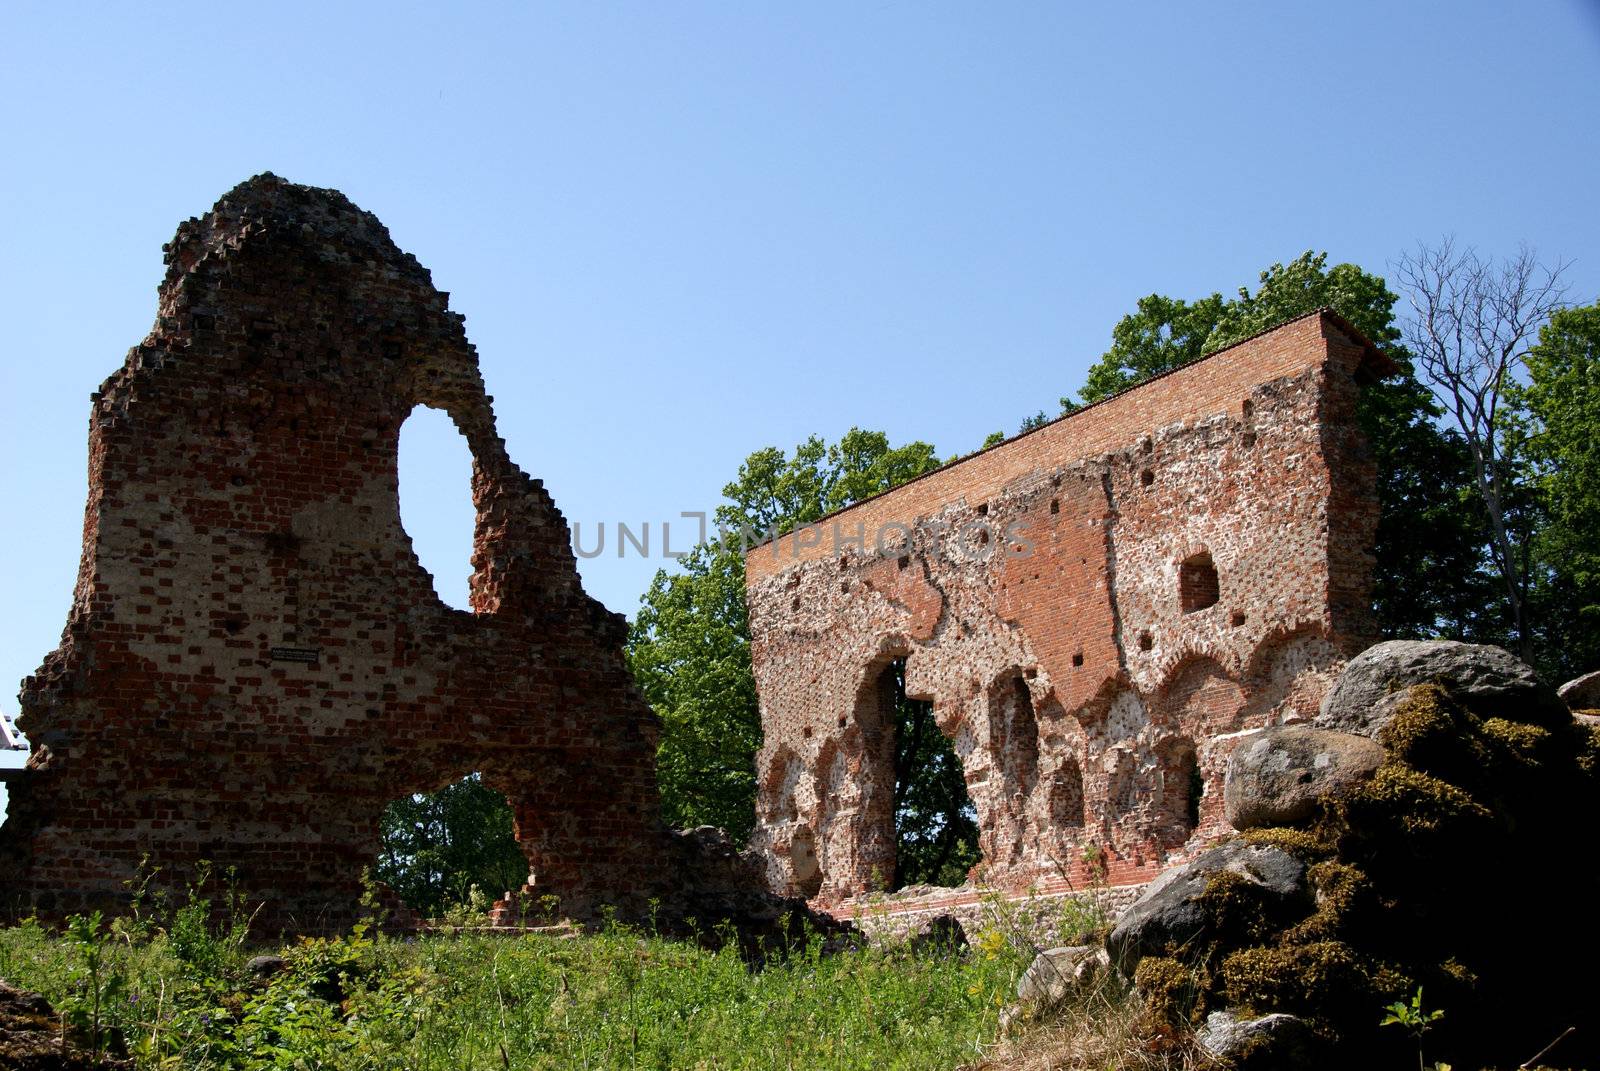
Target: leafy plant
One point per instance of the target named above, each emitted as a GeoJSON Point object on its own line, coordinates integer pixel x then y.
{"type": "Point", "coordinates": [1413, 1018]}
{"type": "Point", "coordinates": [101, 984]}
{"type": "Point", "coordinates": [205, 935]}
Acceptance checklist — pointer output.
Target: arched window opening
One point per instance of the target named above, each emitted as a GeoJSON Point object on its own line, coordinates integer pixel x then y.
{"type": "Point", "coordinates": [435, 848]}
{"type": "Point", "coordinates": [1181, 787]}
{"type": "Point", "coordinates": [935, 823]}
{"type": "Point", "coordinates": [436, 508]}
{"type": "Point", "coordinates": [1198, 585]}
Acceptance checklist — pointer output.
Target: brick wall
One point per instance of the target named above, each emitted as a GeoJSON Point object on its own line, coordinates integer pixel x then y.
{"type": "Point", "coordinates": [255, 663]}
{"type": "Point", "coordinates": [1049, 571]}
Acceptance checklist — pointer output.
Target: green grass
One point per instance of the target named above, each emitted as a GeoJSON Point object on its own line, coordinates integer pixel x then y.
{"type": "Point", "coordinates": [613, 999]}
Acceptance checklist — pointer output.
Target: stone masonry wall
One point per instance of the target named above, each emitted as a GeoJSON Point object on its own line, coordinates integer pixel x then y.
{"type": "Point", "coordinates": [255, 663]}
{"type": "Point", "coordinates": [1097, 610]}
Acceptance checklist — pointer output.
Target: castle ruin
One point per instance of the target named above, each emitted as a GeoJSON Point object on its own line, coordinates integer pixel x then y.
{"type": "Point", "coordinates": [255, 663]}
{"type": "Point", "coordinates": [1097, 610]}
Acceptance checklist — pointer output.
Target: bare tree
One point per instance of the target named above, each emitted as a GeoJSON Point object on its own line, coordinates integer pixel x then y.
{"type": "Point", "coordinates": [1470, 327]}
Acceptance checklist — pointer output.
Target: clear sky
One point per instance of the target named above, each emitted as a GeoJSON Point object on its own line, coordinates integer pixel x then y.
{"type": "Point", "coordinates": [683, 231]}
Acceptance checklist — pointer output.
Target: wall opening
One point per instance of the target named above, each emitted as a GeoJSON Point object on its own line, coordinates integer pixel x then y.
{"type": "Point", "coordinates": [935, 823]}
{"type": "Point", "coordinates": [1181, 788]}
{"type": "Point", "coordinates": [1120, 765]}
{"type": "Point", "coordinates": [1198, 584]}
{"type": "Point", "coordinates": [436, 510]}
{"type": "Point", "coordinates": [435, 848]}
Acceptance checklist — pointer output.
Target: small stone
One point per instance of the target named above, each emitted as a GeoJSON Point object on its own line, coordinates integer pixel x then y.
{"type": "Point", "coordinates": [1582, 693]}
{"type": "Point", "coordinates": [1277, 777]}
{"type": "Point", "coordinates": [1057, 973]}
{"type": "Point", "coordinates": [266, 966]}
{"type": "Point", "coordinates": [1270, 1041]}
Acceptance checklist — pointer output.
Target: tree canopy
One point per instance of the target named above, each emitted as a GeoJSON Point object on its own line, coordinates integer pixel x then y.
{"type": "Point", "coordinates": [435, 847]}
{"type": "Point", "coordinates": [690, 651]}
{"type": "Point", "coordinates": [1561, 403]}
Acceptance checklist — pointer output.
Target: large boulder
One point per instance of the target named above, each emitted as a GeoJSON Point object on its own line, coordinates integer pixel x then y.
{"type": "Point", "coordinates": [1270, 1041]}
{"type": "Point", "coordinates": [1171, 914]}
{"type": "Point", "coordinates": [1057, 973]}
{"type": "Point", "coordinates": [1582, 693]}
{"type": "Point", "coordinates": [1276, 777]}
{"type": "Point", "coordinates": [1490, 681]}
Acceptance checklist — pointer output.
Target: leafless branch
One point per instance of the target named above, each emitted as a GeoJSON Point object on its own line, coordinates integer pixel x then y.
{"type": "Point", "coordinates": [1470, 327]}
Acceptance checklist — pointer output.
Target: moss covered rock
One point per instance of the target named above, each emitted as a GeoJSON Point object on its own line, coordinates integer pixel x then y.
{"type": "Point", "coordinates": [1464, 865]}
{"type": "Point", "coordinates": [1233, 892]}
{"type": "Point", "coordinates": [1485, 679]}
{"type": "Point", "coordinates": [1281, 776]}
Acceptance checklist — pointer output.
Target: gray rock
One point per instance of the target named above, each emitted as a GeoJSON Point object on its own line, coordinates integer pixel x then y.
{"type": "Point", "coordinates": [1275, 1041]}
{"type": "Point", "coordinates": [940, 935]}
{"type": "Point", "coordinates": [1168, 912]}
{"type": "Point", "coordinates": [1276, 777]}
{"type": "Point", "coordinates": [1490, 681]}
{"type": "Point", "coordinates": [1057, 973]}
{"type": "Point", "coordinates": [266, 966]}
{"type": "Point", "coordinates": [1582, 693]}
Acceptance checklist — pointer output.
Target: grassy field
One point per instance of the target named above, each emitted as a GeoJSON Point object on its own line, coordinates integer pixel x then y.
{"type": "Point", "coordinates": [180, 996]}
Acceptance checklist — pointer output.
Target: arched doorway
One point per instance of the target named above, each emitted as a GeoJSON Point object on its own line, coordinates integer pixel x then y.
{"type": "Point", "coordinates": [435, 847]}
{"type": "Point", "coordinates": [916, 824]}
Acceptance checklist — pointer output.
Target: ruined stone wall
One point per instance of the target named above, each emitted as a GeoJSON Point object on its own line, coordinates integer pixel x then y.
{"type": "Point", "coordinates": [255, 663]}
{"type": "Point", "coordinates": [1095, 609]}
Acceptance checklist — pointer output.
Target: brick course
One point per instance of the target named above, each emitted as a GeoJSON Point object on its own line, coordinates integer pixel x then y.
{"type": "Point", "coordinates": [1036, 592]}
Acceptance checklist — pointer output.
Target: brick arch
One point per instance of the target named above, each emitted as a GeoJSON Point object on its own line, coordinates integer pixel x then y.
{"type": "Point", "coordinates": [1192, 646]}
{"type": "Point", "coordinates": [1289, 672]}
{"type": "Point", "coordinates": [1199, 693]}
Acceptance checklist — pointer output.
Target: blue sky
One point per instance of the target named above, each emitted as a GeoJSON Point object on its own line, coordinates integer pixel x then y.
{"type": "Point", "coordinates": [683, 231]}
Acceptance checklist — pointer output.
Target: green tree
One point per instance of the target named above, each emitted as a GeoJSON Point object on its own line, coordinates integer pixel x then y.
{"type": "Point", "coordinates": [1562, 403]}
{"type": "Point", "coordinates": [1162, 333]}
{"type": "Point", "coordinates": [1430, 578]}
{"type": "Point", "coordinates": [689, 648]}
{"type": "Point", "coordinates": [936, 827]}
{"type": "Point", "coordinates": [434, 847]}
